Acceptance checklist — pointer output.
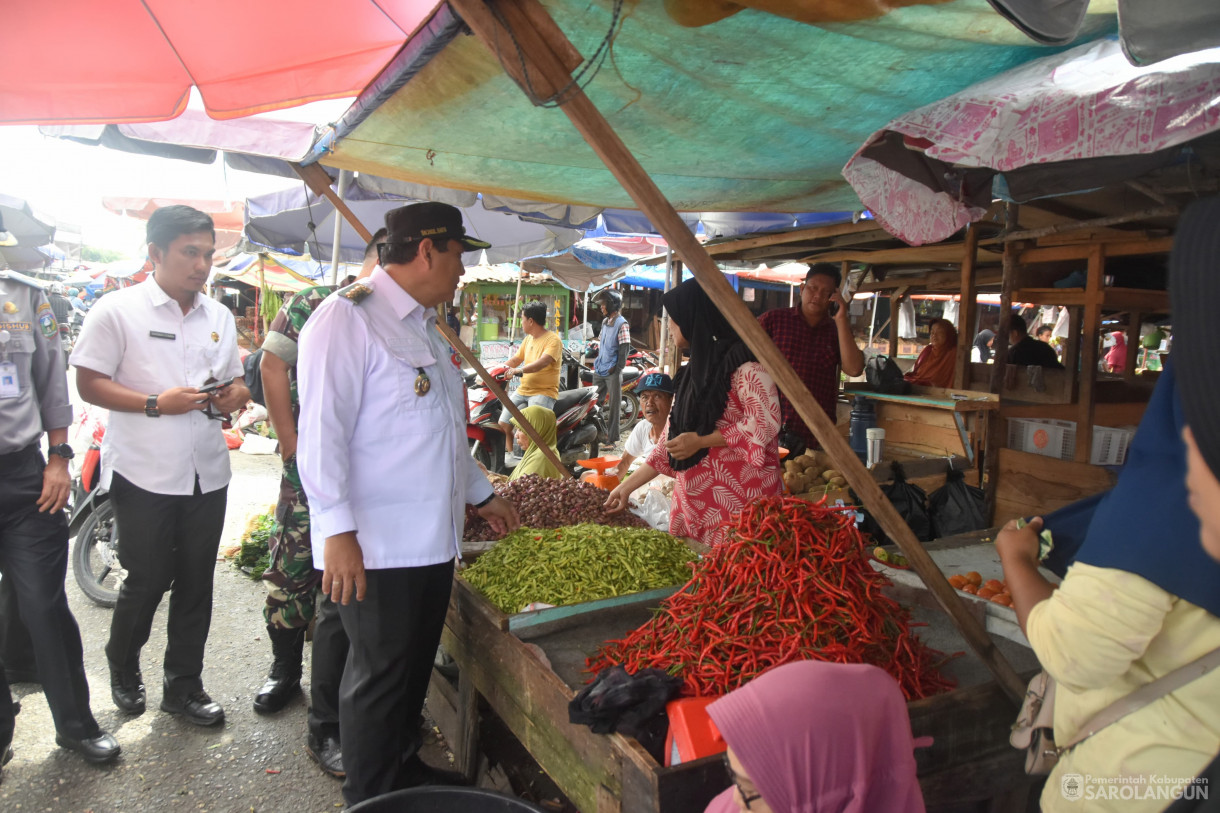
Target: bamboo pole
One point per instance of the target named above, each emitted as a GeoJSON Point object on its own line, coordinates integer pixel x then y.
{"type": "Point", "coordinates": [319, 182]}
{"type": "Point", "coordinates": [535, 58]}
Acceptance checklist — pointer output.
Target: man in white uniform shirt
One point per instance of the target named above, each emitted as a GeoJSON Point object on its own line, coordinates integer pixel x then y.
{"type": "Point", "coordinates": [382, 455]}
{"type": "Point", "coordinates": [144, 353]}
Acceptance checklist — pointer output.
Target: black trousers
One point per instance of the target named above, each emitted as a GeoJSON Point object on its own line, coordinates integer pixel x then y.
{"type": "Point", "coordinates": [326, 669]}
{"type": "Point", "coordinates": [34, 560]}
{"type": "Point", "coordinates": [16, 648]}
{"type": "Point", "coordinates": [394, 633]}
{"type": "Point", "coordinates": [166, 542]}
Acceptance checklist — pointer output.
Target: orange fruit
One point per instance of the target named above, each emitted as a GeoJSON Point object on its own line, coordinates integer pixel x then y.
{"type": "Point", "coordinates": [986, 592]}
{"type": "Point", "coordinates": [1002, 598]}
{"type": "Point", "coordinates": [974, 578]}
{"type": "Point", "coordinates": [972, 589]}
{"type": "Point", "coordinates": [958, 581]}
{"type": "Point", "coordinates": [994, 584]}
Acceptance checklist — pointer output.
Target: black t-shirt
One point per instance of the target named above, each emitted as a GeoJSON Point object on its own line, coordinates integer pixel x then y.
{"type": "Point", "coordinates": [61, 307]}
{"type": "Point", "coordinates": [1030, 351]}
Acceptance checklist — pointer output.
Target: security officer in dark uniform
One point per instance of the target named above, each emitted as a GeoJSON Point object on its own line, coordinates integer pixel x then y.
{"type": "Point", "coordinates": [33, 528]}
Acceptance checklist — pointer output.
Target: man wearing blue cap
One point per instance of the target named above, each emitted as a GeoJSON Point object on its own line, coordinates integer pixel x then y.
{"type": "Point", "coordinates": [656, 391]}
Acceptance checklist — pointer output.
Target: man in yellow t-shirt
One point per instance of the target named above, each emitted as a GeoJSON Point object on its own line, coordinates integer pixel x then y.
{"type": "Point", "coordinates": [537, 362]}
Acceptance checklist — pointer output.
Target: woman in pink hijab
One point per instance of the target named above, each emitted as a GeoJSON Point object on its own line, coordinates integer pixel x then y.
{"type": "Point", "coordinates": [813, 736]}
{"type": "Point", "coordinates": [1116, 359]}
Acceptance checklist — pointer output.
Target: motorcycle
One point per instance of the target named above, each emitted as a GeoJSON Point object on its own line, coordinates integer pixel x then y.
{"type": "Point", "coordinates": [95, 551]}
{"type": "Point", "coordinates": [578, 423]}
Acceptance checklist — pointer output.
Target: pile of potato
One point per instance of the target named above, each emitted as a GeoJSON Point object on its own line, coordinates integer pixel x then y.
{"type": "Point", "coordinates": [810, 475]}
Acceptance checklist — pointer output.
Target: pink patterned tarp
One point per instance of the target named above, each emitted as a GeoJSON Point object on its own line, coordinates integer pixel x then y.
{"type": "Point", "coordinates": [1088, 102]}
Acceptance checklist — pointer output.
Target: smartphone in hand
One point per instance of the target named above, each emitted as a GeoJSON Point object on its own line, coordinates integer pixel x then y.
{"type": "Point", "coordinates": [215, 385]}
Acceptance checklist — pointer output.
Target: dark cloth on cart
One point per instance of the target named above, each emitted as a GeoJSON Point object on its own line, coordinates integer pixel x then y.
{"type": "Point", "coordinates": [633, 705]}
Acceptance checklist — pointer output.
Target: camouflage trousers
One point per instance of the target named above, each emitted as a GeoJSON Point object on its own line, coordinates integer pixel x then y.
{"type": "Point", "coordinates": [292, 581]}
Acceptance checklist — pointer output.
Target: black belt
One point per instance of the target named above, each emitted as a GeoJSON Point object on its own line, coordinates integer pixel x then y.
{"type": "Point", "coordinates": [19, 456]}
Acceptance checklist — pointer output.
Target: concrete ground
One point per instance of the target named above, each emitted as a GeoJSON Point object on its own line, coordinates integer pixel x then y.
{"type": "Point", "coordinates": [250, 764]}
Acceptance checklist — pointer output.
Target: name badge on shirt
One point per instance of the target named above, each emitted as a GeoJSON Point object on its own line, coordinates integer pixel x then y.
{"type": "Point", "coordinates": [157, 334]}
{"type": "Point", "coordinates": [9, 388]}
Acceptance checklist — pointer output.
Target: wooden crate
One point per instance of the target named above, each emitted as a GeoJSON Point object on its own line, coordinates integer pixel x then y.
{"type": "Point", "coordinates": [970, 759]}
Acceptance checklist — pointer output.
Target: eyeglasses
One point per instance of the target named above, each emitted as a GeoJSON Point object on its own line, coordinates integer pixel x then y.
{"type": "Point", "coordinates": [746, 797]}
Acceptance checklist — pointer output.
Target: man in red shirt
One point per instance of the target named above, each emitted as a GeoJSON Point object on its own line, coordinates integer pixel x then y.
{"type": "Point", "coordinates": [816, 343]}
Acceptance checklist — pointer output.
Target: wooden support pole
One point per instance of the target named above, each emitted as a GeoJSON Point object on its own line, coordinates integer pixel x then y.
{"type": "Point", "coordinates": [546, 61]}
{"type": "Point", "coordinates": [967, 310]}
{"type": "Point", "coordinates": [319, 183]}
{"type": "Point", "coordinates": [896, 298]}
{"type": "Point", "coordinates": [1094, 295]}
{"type": "Point", "coordinates": [1071, 351]}
{"type": "Point", "coordinates": [1008, 284]}
{"type": "Point", "coordinates": [1135, 321]}
{"type": "Point", "coordinates": [995, 434]}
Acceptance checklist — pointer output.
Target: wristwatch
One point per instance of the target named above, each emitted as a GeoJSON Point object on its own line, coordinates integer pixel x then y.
{"type": "Point", "coordinates": [150, 407]}
{"type": "Point", "coordinates": [62, 450]}
{"type": "Point", "coordinates": [486, 501]}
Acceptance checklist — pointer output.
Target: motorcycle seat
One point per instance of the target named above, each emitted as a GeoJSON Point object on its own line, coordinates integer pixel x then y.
{"type": "Point", "coordinates": [570, 398]}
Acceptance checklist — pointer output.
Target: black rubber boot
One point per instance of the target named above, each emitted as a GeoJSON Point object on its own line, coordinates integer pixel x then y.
{"type": "Point", "coordinates": [284, 679]}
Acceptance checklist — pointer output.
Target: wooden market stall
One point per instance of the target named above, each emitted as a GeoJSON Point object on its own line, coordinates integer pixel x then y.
{"type": "Point", "coordinates": [491, 301]}
{"type": "Point", "coordinates": [522, 678]}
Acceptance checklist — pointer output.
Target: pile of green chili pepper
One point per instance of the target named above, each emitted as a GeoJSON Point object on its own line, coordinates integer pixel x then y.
{"type": "Point", "coordinates": [577, 563]}
{"type": "Point", "coordinates": [792, 583]}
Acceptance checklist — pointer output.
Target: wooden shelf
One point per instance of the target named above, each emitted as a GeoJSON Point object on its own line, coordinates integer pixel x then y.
{"type": "Point", "coordinates": [941, 399]}
{"type": "Point", "coordinates": [1147, 301]}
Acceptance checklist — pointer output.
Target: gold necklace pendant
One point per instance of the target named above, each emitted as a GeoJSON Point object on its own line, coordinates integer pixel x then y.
{"type": "Point", "coordinates": [423, 384]}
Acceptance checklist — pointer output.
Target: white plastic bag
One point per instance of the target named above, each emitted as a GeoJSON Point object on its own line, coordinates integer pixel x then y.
{"type": "Point", "coordinates": [654, 510]}
{"type": "Point", "coordinates": [257, 444]}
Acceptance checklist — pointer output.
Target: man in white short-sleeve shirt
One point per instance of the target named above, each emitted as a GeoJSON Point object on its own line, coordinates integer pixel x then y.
{"type": "Point", "coordinates": [149, 354]}
{"type": "Point", "coordinates": [656, 391]}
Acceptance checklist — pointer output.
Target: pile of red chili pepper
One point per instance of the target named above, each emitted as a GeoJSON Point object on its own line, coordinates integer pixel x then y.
{"type": "Point", "coordinates": [792, 583]}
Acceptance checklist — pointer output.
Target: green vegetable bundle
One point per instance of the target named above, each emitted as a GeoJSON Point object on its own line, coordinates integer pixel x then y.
{"type": "Point", "coordinates": [577, 563]}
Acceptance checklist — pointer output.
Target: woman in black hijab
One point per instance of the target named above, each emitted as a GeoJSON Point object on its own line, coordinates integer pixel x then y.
{"type": "Point", "coordinates": [982, 343]}
{"type": "Point", "coordinates": [722, 448]}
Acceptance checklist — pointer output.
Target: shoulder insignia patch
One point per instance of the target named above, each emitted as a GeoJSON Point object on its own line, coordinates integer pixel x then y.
{"type": "Point", "coordinates": [356, 292]}
{"type": "Point", "coordinates": [46, 321]}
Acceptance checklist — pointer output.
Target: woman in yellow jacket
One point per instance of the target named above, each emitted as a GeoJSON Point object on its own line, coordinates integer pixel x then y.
{"type": "Point", "coordinates": [1142, 597]}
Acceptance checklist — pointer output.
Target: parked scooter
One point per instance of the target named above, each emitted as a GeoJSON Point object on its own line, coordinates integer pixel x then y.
{"type": "Point", "coordinates": [578, 423]}
{"type": "Point", "coordinates": [95, 552]}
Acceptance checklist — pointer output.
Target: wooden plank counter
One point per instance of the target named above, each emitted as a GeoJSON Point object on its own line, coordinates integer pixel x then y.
{"type": "Point", "coordinates": [529, 675]}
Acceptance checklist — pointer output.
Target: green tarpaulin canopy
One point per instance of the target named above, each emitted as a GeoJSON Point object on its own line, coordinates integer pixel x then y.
{"type": "Point", "coordinates": [752, 113]}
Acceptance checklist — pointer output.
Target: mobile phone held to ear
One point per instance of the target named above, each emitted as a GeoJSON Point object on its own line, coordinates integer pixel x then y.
{"type": "Point", "coordinates": [833, 310]}
{"type": "Point", "coordinates": [215, 385]}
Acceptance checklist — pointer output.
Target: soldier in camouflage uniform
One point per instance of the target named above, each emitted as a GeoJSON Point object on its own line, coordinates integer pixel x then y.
{"type": "Point", "coordinates": [292, 581]}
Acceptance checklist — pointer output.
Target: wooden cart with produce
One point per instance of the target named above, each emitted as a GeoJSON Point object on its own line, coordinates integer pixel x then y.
{"type": "Point", "coordinates": [796, 581]}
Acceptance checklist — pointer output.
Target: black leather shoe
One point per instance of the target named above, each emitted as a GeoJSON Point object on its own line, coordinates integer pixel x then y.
{"type": "Point", "coordinates": [327, 753]}
{"type": "Point", "coordinates": [6, 754]}
{"type": "Point", "coordinates": [195, 707]}
{"type": "Point", "coordinates": [127, 691]}
{"type": "Point", "coordinates": [416, 773]}
{"type": "Point", "coordinates": [98, 749]}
